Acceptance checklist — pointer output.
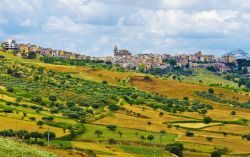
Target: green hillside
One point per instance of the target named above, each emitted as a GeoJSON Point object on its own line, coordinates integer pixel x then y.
{"type": "Point", "coordinates": [97, 111]}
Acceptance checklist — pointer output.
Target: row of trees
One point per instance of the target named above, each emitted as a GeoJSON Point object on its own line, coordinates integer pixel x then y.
{"type": "Point", "coordinates": [24, 134]}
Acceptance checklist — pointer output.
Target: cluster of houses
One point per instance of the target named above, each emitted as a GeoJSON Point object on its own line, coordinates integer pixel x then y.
{"type": "Point", "coordinates": [161, 61]}
{"type": "Point", "coordinates": [127, 60]}
{"type": "Point", "coordinates": [22, 49]}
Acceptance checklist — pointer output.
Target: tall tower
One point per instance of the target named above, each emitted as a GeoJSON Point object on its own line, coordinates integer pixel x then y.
{"type": "Point", "coordinates": [115, 50]}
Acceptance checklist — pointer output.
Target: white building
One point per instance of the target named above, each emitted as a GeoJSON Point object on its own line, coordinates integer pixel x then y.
{"type": "Point", "coordinates": [10, 44]}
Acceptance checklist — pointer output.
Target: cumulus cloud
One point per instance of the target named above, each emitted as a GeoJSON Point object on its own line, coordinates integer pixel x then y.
{"type": "Point", "coordinates": [94, 26]}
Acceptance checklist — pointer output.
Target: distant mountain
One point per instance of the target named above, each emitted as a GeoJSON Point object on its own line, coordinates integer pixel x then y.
{"type": "Point", "coordinates": [238, 54]}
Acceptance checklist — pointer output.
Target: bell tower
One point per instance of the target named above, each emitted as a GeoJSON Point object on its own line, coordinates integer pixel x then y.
{"type": "Point", "coordinates": [115, 50]}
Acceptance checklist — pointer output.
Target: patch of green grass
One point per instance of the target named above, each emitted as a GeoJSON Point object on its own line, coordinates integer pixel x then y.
{"type": "Point", "coordinates": [209, 77]}
{"type": "Point", "coordinates": [9, 148]}
{"type": "Point", "coordinates": [128, 134]}
{"type": "Point", "coordinates": [63, 144]}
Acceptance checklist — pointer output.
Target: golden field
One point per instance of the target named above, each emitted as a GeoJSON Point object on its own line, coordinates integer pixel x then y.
{"type": "Point", "coordinates": [18, 124]}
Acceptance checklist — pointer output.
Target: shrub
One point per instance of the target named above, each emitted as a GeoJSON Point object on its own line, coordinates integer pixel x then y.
{"type": "Point", "coordinates": [112, 127]}
{"type": "Point", "coordinates": [114, 107]}
{"type": "Point", "coordinates": [95, 106]}
{"type": "Point", "coordinates": [104, 82]}
{"type": "Point", "coordinates": [211, 90]}
{"type": "Point", "coordinates": [52, 98]}
{"type": "Point", "coordinates": [70, 103]}
{"type": "Point", "coordinates": [175, 148]}
{"type": "Point", "coordinates": [246, 137]}
{"type": "Point", "coordinates": [233, 113]}
{"type": "Point", "coordinates": [207, 120]}
{"type": "Point", "coordinates": [52, 135]}
{"type": "Point", "coordinates": [32, 118]}
{"type": "Point", "coordinates": [215, 154]}
{"type": "Point", "coordinates": [10, 89]}
{"type": "Point", "coordinates": [150, 138]}
{"type": "Point", "coordinates": [40, 123]}
{"type": "Point", "coordinates": [189, 134]}
{"type": "Point", "coordinates": [210, 138]}
{"type": "Point", "coordinates": [111, 141]}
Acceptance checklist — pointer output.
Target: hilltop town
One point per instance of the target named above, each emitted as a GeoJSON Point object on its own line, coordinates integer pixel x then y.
{"type": "Point", "coordinates": [124, 58]}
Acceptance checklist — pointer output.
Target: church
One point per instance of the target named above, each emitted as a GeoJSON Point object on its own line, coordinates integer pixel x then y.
{"type": "Point", "coordinates": [121, 53]}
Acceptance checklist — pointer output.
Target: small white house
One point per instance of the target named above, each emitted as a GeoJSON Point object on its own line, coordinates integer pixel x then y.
{"type": "Point", "coordinates": [10, 44]}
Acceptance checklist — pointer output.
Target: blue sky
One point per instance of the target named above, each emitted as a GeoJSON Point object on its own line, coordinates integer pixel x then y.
{"type": "Point", "coordinates": [92, 27]}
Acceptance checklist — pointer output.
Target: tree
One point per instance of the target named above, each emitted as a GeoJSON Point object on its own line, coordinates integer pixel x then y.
{"type": "Point", "coordinates": [215, 154]}
{"type": "Point", "coordinates": [112, 127]}
{"type": "Point", "coordinates": [136, 134]}
{"type": "Point", "coordinates": [211, 90]}
{"type": "Point", "coordinates": [150, 138]}
{"type": "Point", "coordinates": [175, 148]}
{"type": "Point", "coordinates": [70, 103]}
{"type": "Point", "coordinates": [31, 55]}
{"type": "Point", "coordinates": [209, 138]}
{"type": "Point", "coordinates": [64, 129]}
{"type": "Point", "coordinates": [186, 98]}
{"type": "Point", "coordinates": [98, 133]}
{"type": "Point", "coordinates": [10, 89]}
{"type": "Point", "coordinates": [36, 135]}
{"type": "Point", "coordinates": [72, 132]}
{"type": "Point", "coordinates": [40, 123]}
{"type": "Point", "coordinates": [147, 78]}
{"type": "Point", "coordinates": [111, 141]}
{"type": "Point", "coordinates": [142, 138]}
{"type": "Point", "coordinates": [52, 98]}
{"type": "Point", "coordinates": [233, 113]}
{"type": "Point", "coordinates": [8, 110]}
{"type": "Point", "coordinates": [189, 134]}
{"type": "Point", "coordinates": [22, 134]}
{"type": "Point", "coordinates": [120, 133]}
{"type": "Point", "coordinates": [114, 107]}
{"type": "Point", "coordinates": [169, 127]}
{"type": "Point", "coordinates": [52, 135]}
{"type": "Point", "coordinates": [207, 120]}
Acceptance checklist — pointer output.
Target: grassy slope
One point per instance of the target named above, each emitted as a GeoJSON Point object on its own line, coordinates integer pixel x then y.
{"type": "Point", "coordinates": [168, 88]}
{"type": "Point", "coordinates": [9, 148]}
{"type": "Point", "coordinates": [128, 134]}
{"type": "Point", "coordinates": [209, 77]}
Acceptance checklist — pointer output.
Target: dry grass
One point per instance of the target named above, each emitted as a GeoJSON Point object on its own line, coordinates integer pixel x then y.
{"type": "Point", "coordinates": [127, 121]}
{"type": "Point", "coordinates": [236, 145]}
{"type": "Point", "coordinates": [90, 73]}
{"type": "Point", "coordinates": [231, 128]}
{"type": "Point", "coordinates": [220, 113]}
{"type": "Point", "coordinates": [195, 125]}
{"type": "Point", "coordinates": [11, 123]}
{"type": "Point", "coordinates": [176, 89]}
{"type": "Point", "coordinates": [115, 150]}
{"type": "Point", "coordinates": [64, 153]}
{"type": "Point", "coordinates": [7, 98]}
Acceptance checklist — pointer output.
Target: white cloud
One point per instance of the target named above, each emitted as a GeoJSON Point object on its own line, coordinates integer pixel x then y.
{"type": "Point", "coordinates": [65, 24]}
{"type": "Point", "coordinates": [138, 25]}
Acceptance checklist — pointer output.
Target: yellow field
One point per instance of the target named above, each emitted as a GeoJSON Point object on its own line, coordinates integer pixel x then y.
{"type": "Point", "coordinates": [11, 123]}
{"type": "Point", "coordinates": [128, 121]}
{"type": "Point", "coordinates": [220, 113]}
{"type": "Point", "coordinates": [195, 125]}
{"type": "Point", "coordinates": [7, 98]}
{"type": "Point", "coordinates": [231, 128]}
{"type": "Point", "coordinates": [176, 89]}
{"type": "Point", "coordinates": [115, 150]}
{"type": "Point", "coordinates": [64, 153]}
{"type": "Point", "coordinates": [236, 145]}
